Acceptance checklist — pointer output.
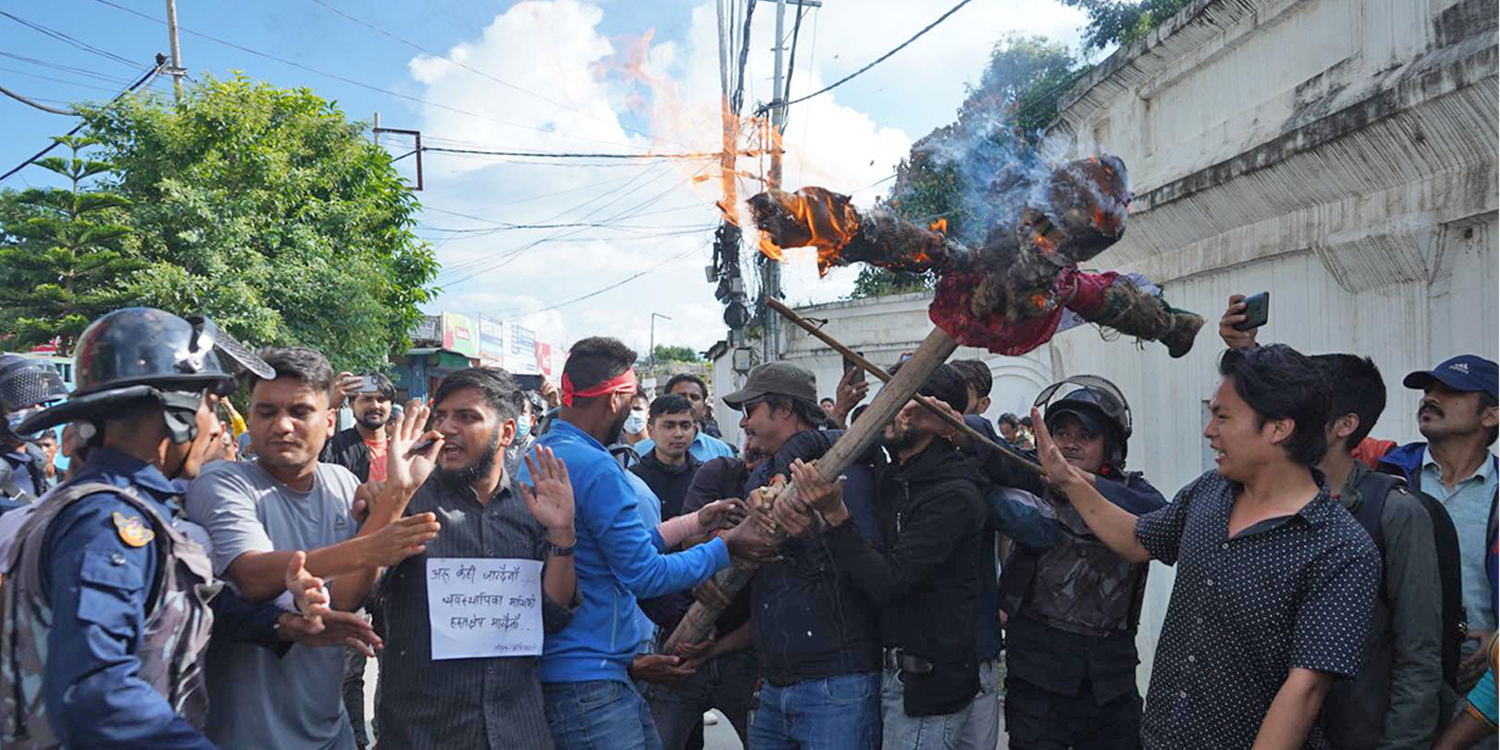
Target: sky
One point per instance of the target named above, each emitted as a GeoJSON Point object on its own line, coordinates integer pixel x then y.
{"type": "Point", "coordinates": [622, 238]}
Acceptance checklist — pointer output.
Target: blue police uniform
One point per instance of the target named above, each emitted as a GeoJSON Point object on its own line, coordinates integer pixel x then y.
{"type": "Point", "coordinates": [98, 585]}
{"type": "Point", "coordinates": [20, 462]}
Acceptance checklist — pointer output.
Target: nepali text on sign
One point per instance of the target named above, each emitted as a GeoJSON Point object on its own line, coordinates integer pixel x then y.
{"type": "Point", "coordinates": [484, 607]}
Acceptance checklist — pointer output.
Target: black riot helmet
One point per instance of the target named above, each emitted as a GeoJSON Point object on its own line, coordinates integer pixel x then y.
{"type": "Point", "coordinates": [27, 387]}
{"type": "Point", "coordinates": [143, 355]}
{"type": "Point", "coordinates": [1099, 405]}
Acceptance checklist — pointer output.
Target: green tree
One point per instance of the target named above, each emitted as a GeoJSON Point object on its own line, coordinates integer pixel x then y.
{"type": "Point", "coordinates": [268, 210]}
{"type": "Point", "coordinates": [64, 255]}
{"type": "Point", "coordinates": [665, 353]}
{"type": "Point", "coordinates": [949, 171]}
{"type": "Point", "coordinates": [1121, 22]}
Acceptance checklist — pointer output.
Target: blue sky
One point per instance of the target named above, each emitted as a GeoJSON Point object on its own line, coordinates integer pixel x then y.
{"type": "Point", "coordinates": [553, 52]}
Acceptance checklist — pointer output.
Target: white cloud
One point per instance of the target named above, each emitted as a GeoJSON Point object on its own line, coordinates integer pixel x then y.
{"type": "Point", "coordinates": [557, 49]}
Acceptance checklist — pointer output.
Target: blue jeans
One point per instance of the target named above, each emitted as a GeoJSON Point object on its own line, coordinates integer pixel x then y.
{"type": "Point", "coordinates": [598, 715]}
{"type": "Point", "coordinates": [902, 732]}
{"type": "Point", "coordinates": [726, 683]}
{"type": "Point", "coordinates": [837, 713]}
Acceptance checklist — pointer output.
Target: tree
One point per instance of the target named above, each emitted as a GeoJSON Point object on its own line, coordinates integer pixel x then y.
{"type": "Point", "coordinates": [267, 210]}
{"type": "Point", "coordinates": [950, 174]}
{"type": "Point", "coordinates": [665, 353]}
{"type": "Point", "coordinates": [64, 253]}
{"type": "Point", "coordinates": [1117, 22]}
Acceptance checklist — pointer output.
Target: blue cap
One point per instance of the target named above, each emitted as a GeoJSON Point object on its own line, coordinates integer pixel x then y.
{"type": "Point", "coordinates": [1466, 373]}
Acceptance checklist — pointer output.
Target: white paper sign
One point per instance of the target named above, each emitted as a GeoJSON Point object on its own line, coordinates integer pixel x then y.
{"type": "Point", "coordinates": [484, 607]}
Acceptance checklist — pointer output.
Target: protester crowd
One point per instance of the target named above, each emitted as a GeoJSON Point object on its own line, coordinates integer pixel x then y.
{"type": "Point", "coordinates": [180, 585]}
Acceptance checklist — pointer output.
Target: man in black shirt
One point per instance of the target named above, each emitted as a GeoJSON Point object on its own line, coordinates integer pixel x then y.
{"type": "Point", "coordinates": [817, 637]}
{"type": "Point", "coordinates": [361, 448]}
{"type": "Point", "coordinates": [1276, 582]}
{"type": "Point", "coordinates": [668, 468]}
{"type": "Point", "coordinates": [926, 579]}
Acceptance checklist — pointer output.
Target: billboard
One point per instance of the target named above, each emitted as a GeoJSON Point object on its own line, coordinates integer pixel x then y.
{"type": "Point", "coordinates": [520, 353]}
{"type": "Point", "coordinates": [491, 342]}
{"type": "Point", "coordinates": [460, 335]}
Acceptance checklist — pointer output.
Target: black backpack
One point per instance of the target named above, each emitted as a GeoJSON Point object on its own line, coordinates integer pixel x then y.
{"type": "Point", "coordinates": [1373, 490]}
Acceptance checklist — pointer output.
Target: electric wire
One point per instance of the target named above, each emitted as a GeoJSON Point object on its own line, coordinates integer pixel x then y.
{"type": "Point", "coordinates": [36, 104]}
{"type": "Point", "coordinates": [69, 40]}
{"type": "Point", "coordinates": [67, 69]}
{"type": "Point", "coordinates": [880, 59]}
{"type": "Point", "coordinates": [144, 80]}
{"type": "Point", "coordinates": [352, 82]}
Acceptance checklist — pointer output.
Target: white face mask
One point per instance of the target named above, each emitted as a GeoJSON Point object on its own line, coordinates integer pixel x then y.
{"type": "Point", "coordinates": [636, 422]}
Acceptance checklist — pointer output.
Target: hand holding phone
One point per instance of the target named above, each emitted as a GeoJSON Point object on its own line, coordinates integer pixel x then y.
{"type": "Point", "coordinates": [1257, 312]}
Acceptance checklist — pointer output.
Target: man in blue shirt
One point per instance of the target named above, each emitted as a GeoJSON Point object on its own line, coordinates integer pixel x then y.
{"type": "Point", "coordinates": [584, 668]}
{"type": "Point", "coordinates": [1459, 417]}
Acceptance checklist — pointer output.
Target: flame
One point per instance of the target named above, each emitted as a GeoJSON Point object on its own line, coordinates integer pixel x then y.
{"type": "Point", "coordinates": [940, 226]}
{"type": "Point", "coordinates": [769, 248]}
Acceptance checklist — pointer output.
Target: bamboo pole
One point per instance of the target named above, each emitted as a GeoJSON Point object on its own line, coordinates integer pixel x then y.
{"type": "Point", "coordinates": [713, 596]}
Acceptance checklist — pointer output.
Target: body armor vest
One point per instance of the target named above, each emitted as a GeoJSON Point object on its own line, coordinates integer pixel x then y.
{"type": "Point", "coordinates": [173, 637]}
{"type": "Point", "coordinates": [1080, 585]}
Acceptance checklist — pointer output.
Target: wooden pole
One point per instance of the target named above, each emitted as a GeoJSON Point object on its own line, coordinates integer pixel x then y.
{"type": "Point", "coordinates": [869, 367]}
{"type": "Point", "coordinates": [714, 595]}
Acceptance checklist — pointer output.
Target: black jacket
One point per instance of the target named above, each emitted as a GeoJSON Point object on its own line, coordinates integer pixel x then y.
{"type": "Point", "coordinates": [926, 582]}
{"type": "Point", "coordinates": [669, 483]}
{"type": "Point", "coordinates": [348, 449]}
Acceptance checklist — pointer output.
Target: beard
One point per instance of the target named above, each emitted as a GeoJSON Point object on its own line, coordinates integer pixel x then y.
{"type": "Point", "coordinates": [370, 420]}
{"type": "Point", "coordinates": [616, 433]}
{"type": "Point", "coordinates": [458, 479]}
{"type": "Point", "coordinates": [898, 438]}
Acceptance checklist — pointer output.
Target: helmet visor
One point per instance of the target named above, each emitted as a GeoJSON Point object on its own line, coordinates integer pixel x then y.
{"type": "Point", "coordinates": [207, 336]}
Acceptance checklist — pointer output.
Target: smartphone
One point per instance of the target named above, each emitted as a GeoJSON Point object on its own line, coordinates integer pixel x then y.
{"type": "Point", "coordinates": [367, 385]}
{"type": "Point", "coordinates": [1257, 311]}
{"type": "Point", "coordinates": [529, 382]}
{"type": "Point", "coordinates": [420, 447]}
{"type": "Point", "coordinates": [859, 372]}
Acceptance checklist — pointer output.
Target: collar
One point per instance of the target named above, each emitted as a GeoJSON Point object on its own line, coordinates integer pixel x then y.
{"type": "Point", "coordinates": [1349, 494]}
{"type": "Point", "coordinates": [688, 465]}
{"type": "Point", "coordinates": [1484, 473]}
{"type": "Point", "coordinates": [566, 428]}
{"type": "Point", "coordinates": [106, 463]}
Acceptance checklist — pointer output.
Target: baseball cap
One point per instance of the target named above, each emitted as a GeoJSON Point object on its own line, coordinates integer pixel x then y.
{"type": "Point", "coordinates": [776, 378]}
{"type": "Point", "coordinates": [1466, 373]}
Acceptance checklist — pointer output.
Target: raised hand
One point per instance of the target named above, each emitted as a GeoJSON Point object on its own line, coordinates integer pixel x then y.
{"type": "Point", "coordinates": [1234, 315]}
{"type": "Point", "coordinates": [550, 394]}
{"type": "Point", "coordinates": [412, 450]}
{"type": "Point", "coordinates": [401, 539]}
{"type": "Point", "coordinates": [308, 591]}
{"type": "Point", "coordinates": [348, 384]}
{"type": "Point", "coordinates": [550, 496]}
{"type": "Point", "coordinates": [721, 514]}
{"type": "Point", "coordinates": [848, 394]}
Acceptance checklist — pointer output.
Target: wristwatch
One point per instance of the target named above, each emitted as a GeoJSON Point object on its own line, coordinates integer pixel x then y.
{"type": "Point", "coordinates": [556, 551]}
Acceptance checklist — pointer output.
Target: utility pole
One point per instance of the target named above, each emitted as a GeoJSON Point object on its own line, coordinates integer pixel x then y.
{"type": "Point", "coordinates": [652, 356]}
{"type": "Point", "coordinates": [177, 70]}
{"type": "Point", "coordinates": [771, 269]}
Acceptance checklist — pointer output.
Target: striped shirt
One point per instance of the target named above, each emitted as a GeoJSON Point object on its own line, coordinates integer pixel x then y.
{"type": "Point", "coordinates": [459, 704]}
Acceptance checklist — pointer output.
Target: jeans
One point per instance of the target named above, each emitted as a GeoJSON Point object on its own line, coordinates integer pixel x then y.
{"type": "Point", "coordinates": [986, 714]}
{"type": "Point", "coordinates": [726, 683]}
{"type": "Point", "coordinates": [902, 732]}
{"type": "Point", "coordinates": [599, 715]}
{"type": "Point", "coordinates": [354, 694]}
{"type": "Point", "coordinates": [836, 713]}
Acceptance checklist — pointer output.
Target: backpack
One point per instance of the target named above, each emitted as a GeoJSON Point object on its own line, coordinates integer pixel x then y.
{"type": "Point", "coordinates": [1373, 489]}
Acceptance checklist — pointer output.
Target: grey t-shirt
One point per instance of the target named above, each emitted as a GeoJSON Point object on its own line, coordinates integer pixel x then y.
{"type": "Point", "coordinates": [258, 701]}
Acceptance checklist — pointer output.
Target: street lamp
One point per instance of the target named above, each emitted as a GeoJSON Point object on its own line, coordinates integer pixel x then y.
{"type": "Point", "coordinates": [652, 356]}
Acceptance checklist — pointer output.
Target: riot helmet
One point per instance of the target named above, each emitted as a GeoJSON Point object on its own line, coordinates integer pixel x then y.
{"type": "Point", "coordinates": [1099, 405]}
{"type": "Point", "coordinates": [27, 387]}
{"type": "Point", "coordinates": [143, 355]}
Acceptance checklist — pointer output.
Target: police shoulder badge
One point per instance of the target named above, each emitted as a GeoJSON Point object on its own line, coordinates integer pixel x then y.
{"type": "Point", "coordinates": [133, 531]}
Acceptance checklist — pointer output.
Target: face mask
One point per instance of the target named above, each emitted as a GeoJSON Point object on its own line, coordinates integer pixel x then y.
{"type": "Point", "coordinates": [636, 422]}
{"type": "Point", "coordinates": [523, 428]}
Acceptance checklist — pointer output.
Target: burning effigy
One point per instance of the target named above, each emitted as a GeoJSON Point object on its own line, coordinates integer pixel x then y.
{"type": "Point", "coordinates": [1008, 295]}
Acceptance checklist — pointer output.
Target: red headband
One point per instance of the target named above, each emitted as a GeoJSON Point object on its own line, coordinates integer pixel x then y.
{"type": "Point", "coordinates": [625, 381]}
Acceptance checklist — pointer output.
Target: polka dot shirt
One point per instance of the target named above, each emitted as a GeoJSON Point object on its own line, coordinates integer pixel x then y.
{"type": "Point", "coordinates": [1288, 592]}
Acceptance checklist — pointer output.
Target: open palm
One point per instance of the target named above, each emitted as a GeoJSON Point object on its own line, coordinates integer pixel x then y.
{"type": "Point", "coordinates": [550, 495]}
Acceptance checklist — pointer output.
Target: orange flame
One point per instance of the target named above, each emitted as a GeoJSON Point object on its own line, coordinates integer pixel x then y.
{"type": "Point", "coordinates": [940, 226]}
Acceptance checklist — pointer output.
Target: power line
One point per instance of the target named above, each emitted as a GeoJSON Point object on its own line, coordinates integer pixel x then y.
{"type": "Point", "coordinates": [352, 82]}
{"type": "Point", "coordinates": [602, 290]}
{"type": "Point", "coordinates": [557, 155]}
{"type": "Point", "coordinates": [65, 68]}
{"type": "Point", "coordinates": [64, 38]}
{"type": "Point", "coordinates": [38, 105]}
{"type": "Point", "coordinates": [39, 76]}
{"type": "Point", "coordinates": [144, 80]}
{"type": "Point", "coordinates": [883, 57]}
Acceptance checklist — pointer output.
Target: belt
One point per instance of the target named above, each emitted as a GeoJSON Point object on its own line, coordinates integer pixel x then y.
{"type": "Point", "coordinates": [895, 658]}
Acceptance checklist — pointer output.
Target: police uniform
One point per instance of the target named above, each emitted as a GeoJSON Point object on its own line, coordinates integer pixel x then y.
{"type": "Point", "coordinates": [106, 613]}
{"type": "Point", "coordinates": [26, 387]}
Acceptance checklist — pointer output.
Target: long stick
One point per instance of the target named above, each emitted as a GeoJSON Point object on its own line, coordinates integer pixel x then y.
{"type": "Point", "coordinates": [867, 366]}
{"type": "Point", "coordinates": [714, 595]}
